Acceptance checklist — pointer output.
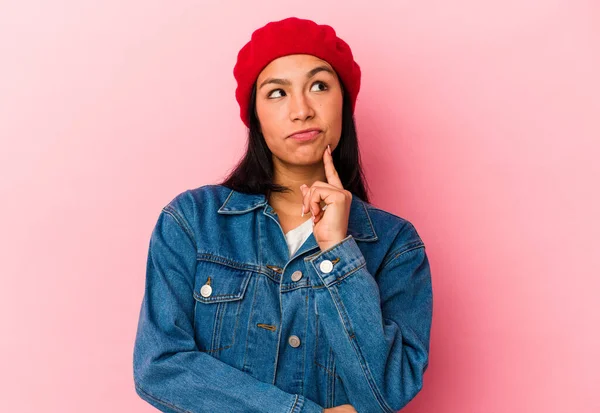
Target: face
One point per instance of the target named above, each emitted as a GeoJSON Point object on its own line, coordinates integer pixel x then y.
{"type": "Point", "coordinates": [294, 93]}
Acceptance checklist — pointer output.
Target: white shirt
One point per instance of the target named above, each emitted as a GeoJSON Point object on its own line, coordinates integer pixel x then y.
{"type": "Point", "coordinates": [296, 237]}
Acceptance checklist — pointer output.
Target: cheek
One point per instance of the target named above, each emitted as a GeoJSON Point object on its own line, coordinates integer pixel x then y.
{"type": "Point", "coordinates": [333, 113]}
{"type": "Point", "coordinates": [267, 121]}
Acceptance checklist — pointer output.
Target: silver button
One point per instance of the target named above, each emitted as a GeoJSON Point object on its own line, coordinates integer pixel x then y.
{"type": "Point", "coordinates": [326, 266]}
{"type": "Point", "coordinates": [296, 275]}
{"type": "Point", "coordinates": [206, 290]}
{"type": "Point", "coordinates": [294, 341]}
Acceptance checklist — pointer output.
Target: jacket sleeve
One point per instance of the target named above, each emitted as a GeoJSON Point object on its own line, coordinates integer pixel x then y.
{"type": "Point", "coordinates": [169, 371]}
{"type": "Point", "coordinates": [378, 325]}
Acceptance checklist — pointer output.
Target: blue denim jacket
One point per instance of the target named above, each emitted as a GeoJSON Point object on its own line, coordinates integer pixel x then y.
{"type": "Point", "coordinates": [229, 322]}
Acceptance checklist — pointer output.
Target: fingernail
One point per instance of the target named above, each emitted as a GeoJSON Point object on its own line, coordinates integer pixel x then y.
{"type": "Point", "coordinates": [329, 149]}
{"type": "Point", "coordinates": [302, 210]}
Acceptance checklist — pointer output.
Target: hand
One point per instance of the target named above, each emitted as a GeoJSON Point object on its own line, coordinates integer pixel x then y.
{"type": "Point", "coordinates": [331, 225]}
{"type": "Point", "coordinates": [343, 408]}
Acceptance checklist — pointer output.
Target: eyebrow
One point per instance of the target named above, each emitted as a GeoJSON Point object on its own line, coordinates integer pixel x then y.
{"type": "Point", "coordinates": [287, 82]}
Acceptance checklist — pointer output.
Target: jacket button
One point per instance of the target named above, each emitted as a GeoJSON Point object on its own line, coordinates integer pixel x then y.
{"type": "Point", "coordinates": [296, 275]}
{"type": "Point", "coordinates": [326, 266]}
{"type": "Point", "coordinates": [206, 290]}
{"type": "Point", "coordinates": [294, 341]}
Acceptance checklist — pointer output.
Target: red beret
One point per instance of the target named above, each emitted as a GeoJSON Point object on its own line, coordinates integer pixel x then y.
{"type": "Point", "coordinates": [292, 36]}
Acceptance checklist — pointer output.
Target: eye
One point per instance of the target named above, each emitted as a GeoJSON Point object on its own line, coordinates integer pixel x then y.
{"type": "Point", "coordinates": [270, 95]}
{"type": "Point", "coordinates": [318, 82]}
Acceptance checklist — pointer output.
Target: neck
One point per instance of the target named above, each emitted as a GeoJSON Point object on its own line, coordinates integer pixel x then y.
{"type": "Point", "coordinates": [293, 177]}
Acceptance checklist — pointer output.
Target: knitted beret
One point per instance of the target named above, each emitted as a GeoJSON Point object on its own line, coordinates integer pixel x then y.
{"type": "Point", "coordinates": [292, 36]}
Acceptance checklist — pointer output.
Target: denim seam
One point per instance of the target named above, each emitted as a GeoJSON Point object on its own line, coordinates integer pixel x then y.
{"type": "Point", "coordinates": [312, 258]}
{"type": "Point", "coordinates": [293, 409]}
{"type": "Point", "coordinates": [316, 349]}
{"type": "Point", "coordinates": [365, 367]}
{"type": "Point", "coordinates": [278, 337]}
{"type": "Point", "coordinates": [216, 349]}
{"type": "Point", "coordinates": [327, 371]}
{"type": "Point", "coordinates": [403, 250]}
{"type": "Point", "coordinates": [331, 379]}
{"type": "Point", "coordinates": [345, 276]}
{"type": "Point", "coordinates": [215, 340]}
{"type": "Point", "coordinates": [333, 383]}
{"type": "Point", "coordinates": [244, 280]}
{"type": "Point", "coordinates": [181, 222]}
{"type": "Point", "coordinates": [305, 348]}
{"type": "Point", "coordinates": [219, 259]}
{"type": "Point", "coordinates": [366, 209]}
{"type": "Point", "coordinates": [237, 321]}
{"type": "Point", "coordinates": [249, 321]}
{"type": "Point", "coordinates": [157, 400]}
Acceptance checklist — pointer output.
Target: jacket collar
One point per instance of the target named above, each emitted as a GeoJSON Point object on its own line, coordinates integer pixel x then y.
{"type": "Point", "coordinates": [360, 225]}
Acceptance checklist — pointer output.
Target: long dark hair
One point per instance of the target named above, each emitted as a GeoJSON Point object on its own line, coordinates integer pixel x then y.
{"type": "Point", "coordinates": [254, 172]}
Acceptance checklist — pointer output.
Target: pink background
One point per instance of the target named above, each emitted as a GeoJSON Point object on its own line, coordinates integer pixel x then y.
{"type": "Point", "coordinates": [479, 122]}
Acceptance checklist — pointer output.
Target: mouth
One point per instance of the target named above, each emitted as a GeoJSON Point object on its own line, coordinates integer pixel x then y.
{"type": "Point", "coordinates": [305, 135]}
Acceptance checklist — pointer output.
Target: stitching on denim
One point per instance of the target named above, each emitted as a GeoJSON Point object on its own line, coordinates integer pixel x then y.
{"type": "Point", "coordinates": [216, 349]}
{"type": "Point", "coordinates": [305, 335]}
{"type": "Point", "coordinates": [371, 381]}
{"type": "Point", "coordinates": [332, 381]}
{"type": "Point", "coordinates": [362, 361]}
{"type": "Point", "coordinates": [157, 400]}
{"type": "Point", "coordinates": [343, 277]}
{"type": "Point", "coordinates": [330, 364]}
{"type": "Point", "coordinates": [216, 326]}
{"type": "Point", "coordinates": [329, 372]}
{"type": "Point", "coordinates": [258, 243]}
{"type": "Point", "coordinates": [333, 385]}
{"type": "Point", "coordinates": [237, 320]}
{"type": "Point", "coordinates": [218, 335]}
{"type": "Point", "coordinates": [375, 237]}
{"type": "Point", "coordinates": [221, 297]}
{"type": "Point", "coordinates": [294, 405]}
{"type": "Point", "coordinates": [413, 245]}
{"type": "Point", "coordinates": [218, 259]}
{"type": "Point", "coordinates": [215, 298]}
{"type": "Point", "coordinates": [181, 222]}
{"type": "Point", "coordinates": [226, 200]}
{"type": "Point", "coordinates": [286, 287]}
{"type": "Point", "coordinates": [278, 339]}
{"type": "Point", "coordinates": [249, 318]}
{"type": "Point", "coordinates": [316, 350]}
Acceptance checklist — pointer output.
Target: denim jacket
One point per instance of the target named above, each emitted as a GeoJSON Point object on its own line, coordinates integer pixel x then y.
{"type": "Point", "coordinates": [229, 322]}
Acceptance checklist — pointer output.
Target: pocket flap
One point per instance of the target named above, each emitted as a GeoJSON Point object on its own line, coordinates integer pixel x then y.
{"type": "Point", "coordinates": [227, 283]}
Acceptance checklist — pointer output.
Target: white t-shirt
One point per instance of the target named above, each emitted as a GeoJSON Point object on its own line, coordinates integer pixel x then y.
{"type": "Point", "coordinates": [296, 237]}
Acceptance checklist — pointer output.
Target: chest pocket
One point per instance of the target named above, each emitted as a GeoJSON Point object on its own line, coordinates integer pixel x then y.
{"type": "Point", "coordinates": [219, 291]}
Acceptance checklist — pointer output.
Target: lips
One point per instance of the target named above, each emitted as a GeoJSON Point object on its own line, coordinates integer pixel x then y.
{"type": "Point", "coordinates": [305, 135]}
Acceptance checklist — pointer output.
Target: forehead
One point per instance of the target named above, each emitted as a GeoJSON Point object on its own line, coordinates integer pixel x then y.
{"type": "Point", "coordinates": [292, 65]}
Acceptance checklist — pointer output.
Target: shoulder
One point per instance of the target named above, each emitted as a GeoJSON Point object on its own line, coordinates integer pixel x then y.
{"type": "Point", "coordinates": [390, 226]}
{"type": "Point", "coordinates": [192, 202]}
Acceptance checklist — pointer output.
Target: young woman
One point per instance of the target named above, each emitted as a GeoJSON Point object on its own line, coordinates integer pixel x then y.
{"type": "Point", "coordinates": [282, 289]}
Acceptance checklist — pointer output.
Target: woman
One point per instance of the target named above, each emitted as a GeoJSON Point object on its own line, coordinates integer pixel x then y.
{"type": "Point", "coordinates": [282, 289]}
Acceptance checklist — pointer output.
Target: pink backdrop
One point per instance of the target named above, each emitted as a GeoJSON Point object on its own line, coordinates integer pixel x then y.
{"type": "Point", "coordinates": [479, 122]}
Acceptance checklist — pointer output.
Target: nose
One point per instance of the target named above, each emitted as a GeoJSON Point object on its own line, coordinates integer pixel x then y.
{"type": "Point", "coordinates": [300, 107]}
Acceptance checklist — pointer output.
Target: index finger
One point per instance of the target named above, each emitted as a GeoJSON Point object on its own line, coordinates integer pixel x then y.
{"type": "Point", "coordinates": [330, 172]}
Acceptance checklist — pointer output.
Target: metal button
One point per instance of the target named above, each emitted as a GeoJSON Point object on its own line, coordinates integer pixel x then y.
{"type": "Point", "coordinates": [294, 341]}
{"type": "Point", "coordinates": [296, 275]}
{"type": "Point", "coordinates": [206, 290]}
{"type": "Point", "coordinates": [326, 266]}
